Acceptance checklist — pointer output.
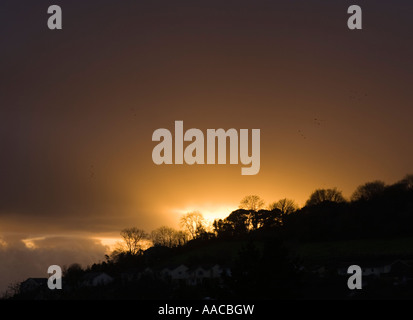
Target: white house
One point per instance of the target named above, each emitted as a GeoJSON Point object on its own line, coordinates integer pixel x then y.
{"type": "Point", "coordinates": [198, 274]}
{"type": "Point", "coordinates": [194, 275]}
{"type": "Point", "coordinates": [376, 270]}
{"type": "Point", "coordinates": [177, 273]}
{"type": "Point", "coordinates": [95, 279]}
{"type": "Point", "coordinates": [208, 272]}
{"type": "Point", "coordinates": [369, 269]}
{"type": "Point", "coordinates": [130, 275]}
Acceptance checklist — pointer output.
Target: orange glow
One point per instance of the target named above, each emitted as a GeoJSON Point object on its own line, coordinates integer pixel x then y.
{"type": "Point", "coordinates": [30, 242]}
{"type": "Point", "coordinates": [209, 211]}
{"type": "Point", "coordinates": [109, 242]}
{"type": "Point", "coordinates": [3, 244]}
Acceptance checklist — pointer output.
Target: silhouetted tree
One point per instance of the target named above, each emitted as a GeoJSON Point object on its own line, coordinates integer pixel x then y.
{"type": "Point", "coordinates": [407, 182]}
{"type": "Point", "coordinates": [163, 236]}
{"type": "Point", "coordinates": [168, 237]}
{"type": "Point", "coordinates": [236, 224]}
{"type": "Point", "coordinates": [222, 228]}
{"type": "Point", "coordinates": [322, 195]}
{"type": "Point", "coordinates": [13, 289]}
{"type": "Point", "coordinates": [194, 223]}
{"type": "Point", "coordinates": [286, 206]}
{"type": "Point", "coordinates": [368, 191]}
{"type": "Point", "coordinates": [133, 239]}
{"type": "Point", "coordinates": [266, 219]}
{"type": "Point", "coordinates": [182, 237]}
{"type": "Point", "coordinates": [72, 275]}
{"type": "Point", "coordinates": [252, 203]}
{"type": "Point", "coordinates": [241, 221]}
{"type": "Point", "coordinates": [238, 221]}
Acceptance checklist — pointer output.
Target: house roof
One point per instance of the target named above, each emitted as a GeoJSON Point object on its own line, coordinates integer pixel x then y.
{"type": "Point", "coordinates": [174, 267]}
{"type": "Point", "coordinates": [39, 281]}
{"type": "Point", "coordinates": [93, 275]}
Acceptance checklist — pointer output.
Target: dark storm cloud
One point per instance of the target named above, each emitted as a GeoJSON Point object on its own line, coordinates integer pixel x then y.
{"type": "Point", "coordinates": [78, 106]}
{"type": "Point", "coordinates": [18, 262]}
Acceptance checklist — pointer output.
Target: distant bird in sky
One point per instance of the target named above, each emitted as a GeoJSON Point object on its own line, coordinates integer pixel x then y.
{"type": "Point", "coordinates": [318, 121]}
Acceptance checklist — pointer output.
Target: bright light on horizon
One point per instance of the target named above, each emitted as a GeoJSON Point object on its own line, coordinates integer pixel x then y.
{"type": "Point", "coordinates": [209, 211]}
{"type": "Point", "coordinates": [109, 242]}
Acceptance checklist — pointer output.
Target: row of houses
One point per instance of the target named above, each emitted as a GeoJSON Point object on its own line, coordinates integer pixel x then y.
{"type": "Point", "coordinates": [92, 279]}
{"type": "Point", "coordinates": [175, 274]}
{"type": "Point", "coordinates": [380, 268]}
{"type": "Point", "coordinates": [398, 270]}
{"type": "Point", "coordinates": [196, 275]}
{"type": "Point", "coordinates": [181, 273]}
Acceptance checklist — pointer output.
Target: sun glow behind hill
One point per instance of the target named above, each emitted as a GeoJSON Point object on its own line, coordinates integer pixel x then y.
{"type": "Point", "coordinates": [209, 211]}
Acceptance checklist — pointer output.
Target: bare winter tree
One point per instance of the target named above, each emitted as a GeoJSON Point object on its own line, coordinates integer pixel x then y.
{"type": "Point", "coordinates": [368, 190]}
{"type": "Point", "coordinates": [286, 206]}
{"type": "Point", "coordinates": [13, 289]}
{"type": "Point", "coordinates": [194, 223]}
{"type": "Point", "coordinates": [133, 239]}
{"type": "Point", "coordinates": [182, 237]}
{"type": "Point", "coordinates": [163, 236]}
{"type": "Point", "coordinates": [322, 195]}
{"type": "Point", "coordinates": [252, 203]}
{"type": "Point", "coordinates": [168, 237]}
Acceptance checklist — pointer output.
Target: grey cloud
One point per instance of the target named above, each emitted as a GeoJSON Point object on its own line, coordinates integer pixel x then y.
{"type": "Point", "coordinates": [19, 262]}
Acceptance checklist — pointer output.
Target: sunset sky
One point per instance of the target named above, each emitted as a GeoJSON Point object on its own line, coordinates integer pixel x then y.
{"type": "Point", "coordinates": [78, 107]}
